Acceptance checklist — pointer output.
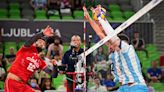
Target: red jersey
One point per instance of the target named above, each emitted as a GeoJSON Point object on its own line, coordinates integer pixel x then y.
{"type": "Point", "coordinates": [26, 63]}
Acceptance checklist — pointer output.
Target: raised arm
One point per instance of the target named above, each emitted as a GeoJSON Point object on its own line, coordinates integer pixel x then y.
{"type": "Point", "coordinates": [46, 32]}
{"type": "Point", "coordinates": [95, 27]}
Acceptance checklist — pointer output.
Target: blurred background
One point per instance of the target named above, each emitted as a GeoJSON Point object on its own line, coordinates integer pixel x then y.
{"type": "Point", "coordinates": [21, 19]}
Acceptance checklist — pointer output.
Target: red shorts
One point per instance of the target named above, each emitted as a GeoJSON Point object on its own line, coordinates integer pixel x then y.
{"type": "Point", "coordinates": [15, 86]}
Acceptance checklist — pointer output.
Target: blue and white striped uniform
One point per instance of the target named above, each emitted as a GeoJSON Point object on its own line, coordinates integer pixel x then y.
{"type": "Point", "coordinates": [126, 65]}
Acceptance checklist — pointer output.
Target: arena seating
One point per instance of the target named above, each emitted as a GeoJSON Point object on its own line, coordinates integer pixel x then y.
{"type": "Point", "coordinates": [117, 10]}
{"type": "Point", "coordinates": [1, 85]}
{"type": "Point", "coordinates": [40, 14]}
{"type": "Point", "coordinates": [159, 87]}
{"type": "Point", "coordinates": [3, 13]}
{"type": "Point", "coordinates": [153, 55]}
{"type": "Point", "coordinates": [58, 81]}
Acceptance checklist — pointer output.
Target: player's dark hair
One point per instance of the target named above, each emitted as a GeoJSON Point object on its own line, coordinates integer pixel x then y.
{"type": "Point", "coordinates": [124, 37]}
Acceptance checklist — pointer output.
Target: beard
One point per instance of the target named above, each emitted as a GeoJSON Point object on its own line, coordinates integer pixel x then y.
{"type": "Point", "coordinates": [39, 49]}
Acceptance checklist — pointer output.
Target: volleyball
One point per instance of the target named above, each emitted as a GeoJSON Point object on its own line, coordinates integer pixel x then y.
{"type": "Point", "coordinates": [102, 14]}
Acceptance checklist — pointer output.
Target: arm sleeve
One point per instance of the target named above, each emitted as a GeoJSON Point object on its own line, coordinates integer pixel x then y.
{"type": "Point", "coordinates": [106, 26]}
{"type": "Point", "coordinates": [96, 28]}
{"type": "Point", "coordinates": [49, 68]}
{"type": "Point", "coordinates": [53, 72]}
{"type": "Point", "coordinates": [33, 39]}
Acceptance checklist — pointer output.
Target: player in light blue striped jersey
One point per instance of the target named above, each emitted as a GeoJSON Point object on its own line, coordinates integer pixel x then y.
{"type": "Point", "coordinates": [126, 65]}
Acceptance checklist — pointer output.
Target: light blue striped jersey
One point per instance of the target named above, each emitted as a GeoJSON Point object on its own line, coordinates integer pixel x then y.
{"type": "Point", "coordinates": [126, 65]}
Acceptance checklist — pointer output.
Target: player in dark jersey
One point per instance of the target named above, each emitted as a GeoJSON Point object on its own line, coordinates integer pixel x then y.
{"type": "Point", "coordinates": [27, 62]}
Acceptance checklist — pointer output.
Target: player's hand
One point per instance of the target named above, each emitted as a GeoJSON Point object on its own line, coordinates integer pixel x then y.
{"type": "Point", "coordinates": [48, 31]}
{"type": "Point", "coordinates": [86, 14]}
{"type": "Point", "coordinates": [96, 10]}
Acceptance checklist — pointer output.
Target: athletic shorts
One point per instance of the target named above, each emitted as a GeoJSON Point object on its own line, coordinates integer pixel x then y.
{"type": "Point", "coordinates": [15, 86]}
{"type": "Point", "coordinates": [133, 88]}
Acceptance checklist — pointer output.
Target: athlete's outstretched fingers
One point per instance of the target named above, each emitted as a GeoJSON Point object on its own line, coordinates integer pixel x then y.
{"type": "Point", "coordinates": [48, 31]}
{"type": "Point", "coordinates": [86, 14]}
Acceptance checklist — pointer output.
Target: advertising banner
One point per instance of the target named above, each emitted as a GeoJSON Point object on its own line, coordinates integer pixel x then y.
{"type": "Point", "coordinates": [22, 30]}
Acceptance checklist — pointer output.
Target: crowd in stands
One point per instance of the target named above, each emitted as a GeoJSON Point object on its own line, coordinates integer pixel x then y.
{"type": "Point", "coordinates": [62, 9]}
{"type": "Point", "coordinates": [101, 81]}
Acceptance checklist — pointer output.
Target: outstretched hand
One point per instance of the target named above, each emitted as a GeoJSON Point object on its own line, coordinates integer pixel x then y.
{"type": "Point", "coordinates": [96, 10]}
{"type": "Point", "coordinates": [48, 31]}
{"type": "Point", "coordinates": [86, 14]}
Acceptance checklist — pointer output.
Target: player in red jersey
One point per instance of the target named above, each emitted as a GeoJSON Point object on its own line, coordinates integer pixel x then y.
{"type": "Point", "coordinates": [27, 62]}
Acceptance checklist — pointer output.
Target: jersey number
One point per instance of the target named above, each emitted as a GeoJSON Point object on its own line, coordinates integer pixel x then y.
{"type": "Point", "coordinates": [31, 67]}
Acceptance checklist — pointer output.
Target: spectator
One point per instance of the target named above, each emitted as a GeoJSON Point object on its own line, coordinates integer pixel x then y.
{"type": "Point", "coordinates": [98, 87]}
{"type": "Point", "coordinates": [100, 62]}
{"type": "Point", "coordinates": [40, 74]}
{"type": "Point", "coordinates": [139, 43]}
{"type": "Point", "coordinates": [9, 58]}
{"type": "Point", "coordinates": [33, 83]}
{"type": "Point", "coordinates": [11, 51]}
{"type": "Point", "coordinates": [154, 73]}
{"type": "Point", "coordinates": [51, 39]}
{"type": "Point", "coordinates": [66, 9]}
{"type": "Point", "coordinates": [54, 4]}
{"type": "Point", "coordinates": [103, 72]}
{"type": "Point", "coordinates": [47, 84]}
{"type": "Point", "coordinates": [57, 60]}
{"type": "Point", "coordinates": [38, 4]}
{"type": "Point", "coordinates": [54, 7]}
{"type": "Point", "coordinates": [55, 49]}
{"type": "Point", "coordinates": [77, 4]}
{"type": "Point", "coordinates": [2, 61]}
{"type": "Point", "coordinates": [100, 56]}
{"type": "Point", "coordinates": [2, 72]}
{"type": "Point", "coordinates": [65, 4]}
{"type": "Point", "coordinates": [109, 83]}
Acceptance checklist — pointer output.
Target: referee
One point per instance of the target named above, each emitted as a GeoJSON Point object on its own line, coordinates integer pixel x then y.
{"type": "Point", "coordinates": [70, 59]}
